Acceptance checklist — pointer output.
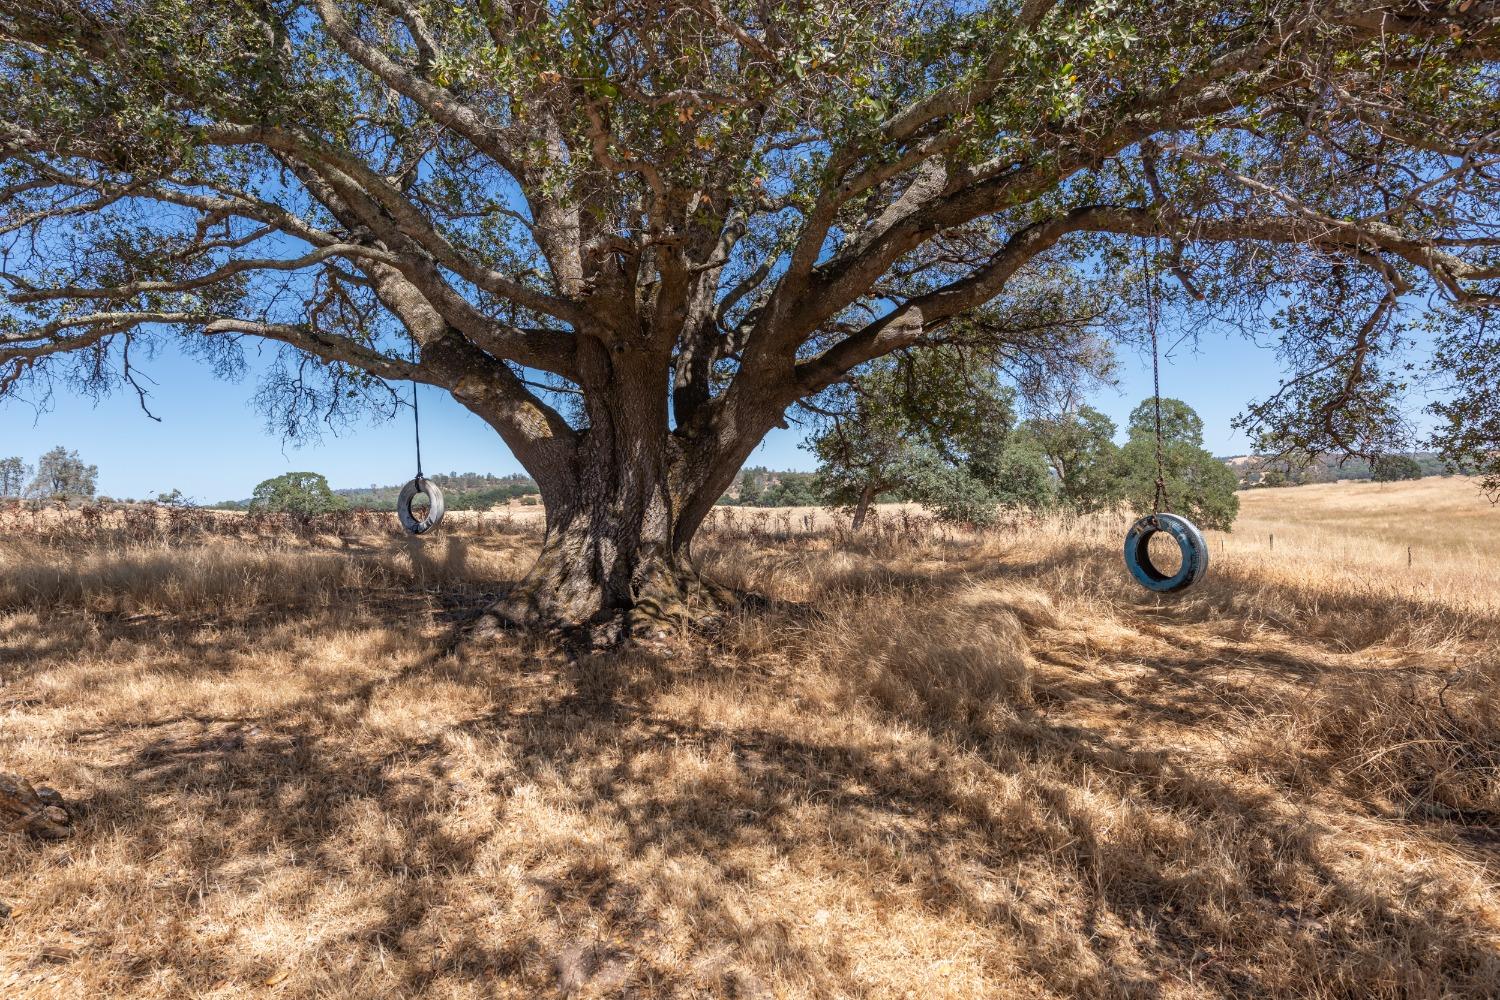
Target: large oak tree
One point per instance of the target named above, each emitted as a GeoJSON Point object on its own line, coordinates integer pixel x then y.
{"type": "Point", "coordinates": [631, 235]}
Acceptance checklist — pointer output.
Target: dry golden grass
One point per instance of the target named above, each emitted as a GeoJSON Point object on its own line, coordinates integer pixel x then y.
{"type": "Point", "coordinates": [933, 764]}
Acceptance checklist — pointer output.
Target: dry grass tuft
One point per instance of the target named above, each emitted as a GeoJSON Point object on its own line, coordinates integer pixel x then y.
{"type": "Point", "coordinates": [934, 764]}
{"type": "Point", "coordinates": [1411, 746]}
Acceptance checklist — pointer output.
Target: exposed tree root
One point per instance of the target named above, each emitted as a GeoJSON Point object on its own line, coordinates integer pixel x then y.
{"type": "Point", "coordinates": [665, 601]}
{"type": "Point", "coordinates": [35, 812]}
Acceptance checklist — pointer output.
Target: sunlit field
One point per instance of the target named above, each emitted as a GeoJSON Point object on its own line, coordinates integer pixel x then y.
{"type": "Point", "coordinates": [920, 762]}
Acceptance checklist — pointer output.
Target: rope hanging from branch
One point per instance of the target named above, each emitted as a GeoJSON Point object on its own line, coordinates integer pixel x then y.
{"type": "Point", "coordinates": [1160, 501]}
{"type": "Point", "coordinates": [419, 486]}
{"type": "Point", "coordinates": [416, 425]}
{"type": "Point", "coordinates": [1189, 539]}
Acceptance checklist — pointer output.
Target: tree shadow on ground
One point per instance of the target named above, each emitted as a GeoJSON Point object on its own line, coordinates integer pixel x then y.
{"type": "Point", "coordinates": [1130, 919]}
{"type": "Point", "coordinates": [1114, 870]}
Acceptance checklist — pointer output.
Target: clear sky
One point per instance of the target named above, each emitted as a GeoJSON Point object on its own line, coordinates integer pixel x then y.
{"type": "Point", "coordinates": [212, 444]}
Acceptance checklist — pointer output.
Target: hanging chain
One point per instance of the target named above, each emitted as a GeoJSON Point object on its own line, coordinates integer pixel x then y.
{"type": "Point", "coordinates": [1160, 501]}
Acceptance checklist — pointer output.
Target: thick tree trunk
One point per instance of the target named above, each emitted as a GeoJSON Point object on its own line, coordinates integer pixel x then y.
{"type": "Point", "coordinates": [862, 508]}
{"type": "Point", "coordinates": [615, 561]}
{"type": "Point", "coordinates": [611, 567]}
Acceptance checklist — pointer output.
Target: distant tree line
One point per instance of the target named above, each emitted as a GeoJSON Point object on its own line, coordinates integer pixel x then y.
{"type": "Point", "coordinates": [913, 434]}
{"type": "Point", "coordinates": [461, 491]}
{"type": "Point", "coordinates": [936, 430]}
{"type": "Point", "coordinates": [59, 475]}
{"type": "Point", "coordinates": [497, 496]}
{"type": "Point", "coordinates": [757, 486]}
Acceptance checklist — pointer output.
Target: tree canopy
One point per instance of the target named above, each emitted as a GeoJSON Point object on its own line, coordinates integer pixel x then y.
{"type": "Point", "coordinates": [629, 235]}
{"type": "Point", "coordinates": [61, 474]}
{"type": "Point", "coordinates": [937, 427]}
{"type": "Point", "coordinates": [301, 493]}
{"type": "Point", "coordinates": [1198, 485]}
{"type": "Point", "coordinates": [13, 475]}
{"type": "Point", "coordinates": [1394, 468]}
{"type": "Point", "coordinates": [1079, 446]}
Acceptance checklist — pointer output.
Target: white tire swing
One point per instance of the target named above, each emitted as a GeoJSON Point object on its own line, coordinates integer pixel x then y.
{"type": "Point", "coordinates": [409, 520]}
{"type": "Point", "coordinates": [420, 486]}
{"type": "Point", "coordinates": [1160, 521]}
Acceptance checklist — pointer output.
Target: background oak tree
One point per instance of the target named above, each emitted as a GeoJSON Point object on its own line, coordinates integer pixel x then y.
{"type": "Point", "coordinates": [936, 427]}
{"type": "Point", "coordinates": [630, 235]}
{"type": "Point", "coordinates": [1394, 468]}
{"type": "Point", "coordinates": [1079, 447]}
{"type": "Point", "coordinates": [14, 473]}
{"type": "Point", "coordinates": [62, 475]}
{"type": "Point", "coordinates": [300, 493]}
{"type": "Point", "coordinates": [1198, 485]}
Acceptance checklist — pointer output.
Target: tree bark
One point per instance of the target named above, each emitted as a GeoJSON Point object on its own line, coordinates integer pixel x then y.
{"type": "Point", "coordinates": [615, 561]}
{"type": "Point", "coordinates": [862, 508]}
{"type": "Point", "coordinates": [610, 578]}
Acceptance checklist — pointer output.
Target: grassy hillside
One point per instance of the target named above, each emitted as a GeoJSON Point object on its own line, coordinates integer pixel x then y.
{"type": "Point", "coordinates": [1254, 470]}
{"type": "Point", "coordinates": [934, 764]}
{"type": "Point", "coordinates": [461, 491]}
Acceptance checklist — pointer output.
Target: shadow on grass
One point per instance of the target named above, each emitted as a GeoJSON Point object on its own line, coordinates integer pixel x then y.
{"type": "Point", "coordinates": [1115, 871]}
{"type": "Point", "coordinates": [1131, 914]}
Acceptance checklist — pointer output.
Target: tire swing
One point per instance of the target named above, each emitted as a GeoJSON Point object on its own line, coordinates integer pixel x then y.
{"type": "Point", "coordinates": [419, 486]}
{"type": "Point", "coordinates": [1189, 540]}
{"type": "Point", "coordinates": [1161, 521]}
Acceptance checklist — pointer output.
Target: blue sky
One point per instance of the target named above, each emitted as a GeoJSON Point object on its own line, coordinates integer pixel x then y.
{"type": "Point", "coordinates": [212, 444]}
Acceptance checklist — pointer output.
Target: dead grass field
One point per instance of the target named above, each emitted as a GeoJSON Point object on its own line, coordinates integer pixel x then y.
{"type": "Point", "coordinates": [932, 764]}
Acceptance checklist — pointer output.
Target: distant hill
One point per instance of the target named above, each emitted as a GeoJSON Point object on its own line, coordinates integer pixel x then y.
{"type": "Point", "coordinates": [1257, 470]}
{"type": "Point", "coordinates": [461, 491]}
{"type": "Point", "coordinates": [754, 486]}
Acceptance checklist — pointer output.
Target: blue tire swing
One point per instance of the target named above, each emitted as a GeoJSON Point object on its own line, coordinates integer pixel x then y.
{"type": "Point", "coordinates": [1161, 521]}
{"type": "Point", "coordinates": [1189, 540]}
{"type": "Point", "coordinates": [413, 524]}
